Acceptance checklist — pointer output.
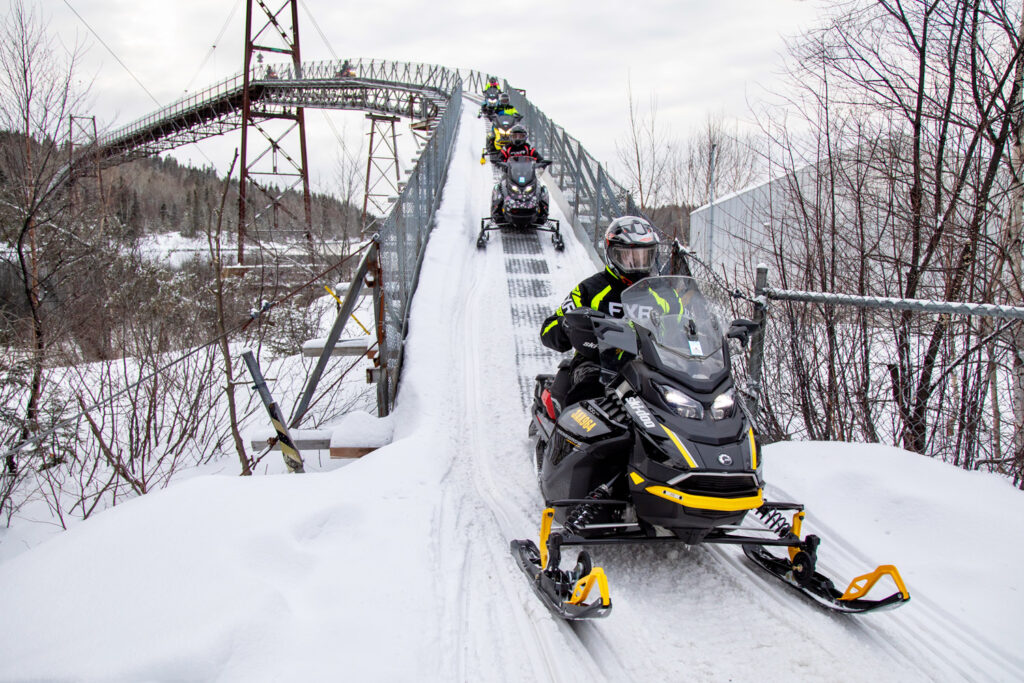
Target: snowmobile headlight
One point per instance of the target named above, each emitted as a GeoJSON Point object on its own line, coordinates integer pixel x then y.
{"type": "Point", "coordinates": [682, 404]}
{"type": "Point", "coordinates": [503, 131]}
{"type": "Point", "coordinates": [515, 189]}
{"type": "Point", "coordinates": [528, 189]}
{"type": "Point", "coordinates": [723, 406]}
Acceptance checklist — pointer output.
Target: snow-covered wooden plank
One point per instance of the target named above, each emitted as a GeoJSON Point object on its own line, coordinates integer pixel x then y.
{"type": "Point", "coordinates": [356, 346]}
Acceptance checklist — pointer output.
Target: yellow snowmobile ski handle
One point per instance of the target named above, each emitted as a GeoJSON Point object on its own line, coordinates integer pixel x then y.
{"type": "Point", "coordinates": [546, 518]}
{"type": "Point", "coordinates": [582, 588]}
{"type": "Point", "coordinates": [798, 522]}
{"type": "Point", "coordinates": [860, 586]}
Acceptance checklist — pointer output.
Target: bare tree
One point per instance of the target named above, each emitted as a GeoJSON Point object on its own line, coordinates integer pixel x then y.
{"type": "Point", "coordinates": [645, 154]}
{"type": "Point", "coordinates": [37, 96]}
{"type": "Point", "coordinates": [715, 160]}
{"type": "Point", "coordinates": [895, 171]}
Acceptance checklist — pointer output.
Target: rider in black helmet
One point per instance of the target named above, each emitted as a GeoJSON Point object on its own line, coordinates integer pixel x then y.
{"type": "Point", "coordinates": [518, 146]}
{"type": "Point", "coordinates": [630, 250]}
{"type": "Point", "coordinates": [504, 107]}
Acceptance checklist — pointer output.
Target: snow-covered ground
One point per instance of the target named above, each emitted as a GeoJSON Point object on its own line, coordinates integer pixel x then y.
{"type": "Point", "coordinates": [397, 567]}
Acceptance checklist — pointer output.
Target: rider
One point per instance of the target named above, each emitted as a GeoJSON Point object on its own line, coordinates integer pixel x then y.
{"type": "Point", "coordinates": [504, 107]}
{"type": "Point", "coordinates": [630, 248]}
{"type": "Point", "coordinates": [517, 145]}
{"type": "Point", "coordinates": [518, 148]}
{"type": "Point", "coordinates": [492, 85]}
{"type": "Point", "coordinates": [492, 89]}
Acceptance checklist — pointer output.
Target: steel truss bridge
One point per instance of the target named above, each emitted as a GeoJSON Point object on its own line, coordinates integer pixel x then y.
{"type": "Point", "coordinates": [420, 92]}
{"type": "Point", "coordinates": [429, 96]}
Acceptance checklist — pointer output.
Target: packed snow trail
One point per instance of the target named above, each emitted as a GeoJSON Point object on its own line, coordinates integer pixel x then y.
{"type": "Point", "coordinates": [678, 612]}
{"type": "Point", "coordinates": [397, 567]}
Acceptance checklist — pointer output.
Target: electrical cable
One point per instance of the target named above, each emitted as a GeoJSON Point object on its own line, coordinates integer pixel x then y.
{"type": "Point", "coordinates": [213, 47]}
{"type": "Point", "coordinates": [318, 29]}
{"type": "Point", "coordinates": [113, 54]}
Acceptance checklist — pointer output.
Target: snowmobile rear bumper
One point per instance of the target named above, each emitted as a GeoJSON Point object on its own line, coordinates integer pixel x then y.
{"type": "Point", "coordinates": [551, 225]}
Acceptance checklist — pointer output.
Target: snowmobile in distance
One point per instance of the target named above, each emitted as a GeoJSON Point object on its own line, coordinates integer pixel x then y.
{"type": "Point", "coordinates": [520, 200]}
{"type": "Point", "coordinates": [490, 104]}
{"type": "Point", "coordinates": [664, 452]}
{"type": "Point", "coordinates": [501, 125]}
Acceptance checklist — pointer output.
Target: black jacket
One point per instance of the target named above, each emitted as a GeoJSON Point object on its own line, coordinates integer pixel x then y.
{"type": "Point", "coordinates": [601, 291]}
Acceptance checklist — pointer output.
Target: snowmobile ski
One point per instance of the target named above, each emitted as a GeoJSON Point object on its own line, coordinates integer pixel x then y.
{"type": "Point", "coordinates": [563, 592]}
{"type": "Point", "coordinates": [800, 575]}
{"type": "Point", "coordinates": [659, 452]}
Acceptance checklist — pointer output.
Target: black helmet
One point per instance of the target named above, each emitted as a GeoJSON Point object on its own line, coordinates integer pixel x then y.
{"type": "Point", "coordinates": [517, 134]}
{"type": "Point", "coordinates": [630, 245]}
{"type": "Point", "coordinates": [503, 98]}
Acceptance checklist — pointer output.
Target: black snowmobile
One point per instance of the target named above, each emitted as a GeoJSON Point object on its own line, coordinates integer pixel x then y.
{"type": "Point", "coordinates": [490, 103]}
{"type": "Point", "coordinates": [662, 451]}
{"type": "Point", "coordinates": [520, 200]}
{"type": "Point", "coordinates": [501, 124]}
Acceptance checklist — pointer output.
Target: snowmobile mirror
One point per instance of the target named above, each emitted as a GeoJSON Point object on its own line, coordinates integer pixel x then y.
{"type": "Point", "coordinates": [616, 338]}
{"type": "Point", "coordinates": [740, 329]}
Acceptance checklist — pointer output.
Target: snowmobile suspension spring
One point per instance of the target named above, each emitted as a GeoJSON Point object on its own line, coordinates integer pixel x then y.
{"type": "Point", "coordinates": [774, 520]}
{"type": "Point", "coordinates": [582, 514]}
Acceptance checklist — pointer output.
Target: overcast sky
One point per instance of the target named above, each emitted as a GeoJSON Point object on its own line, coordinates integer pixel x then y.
{"type": "Point", "coordinates": [573, 58]}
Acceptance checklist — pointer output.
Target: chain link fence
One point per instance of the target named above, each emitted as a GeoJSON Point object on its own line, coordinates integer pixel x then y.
{"type": "Point", "coordinates": [592, 197]}
{"type": "Point", "coordinates": [402, 242]}
{"type": "Point", "coordinates": [934, 377]}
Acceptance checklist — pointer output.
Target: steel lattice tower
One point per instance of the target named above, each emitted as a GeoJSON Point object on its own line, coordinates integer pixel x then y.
{"type": "Point", "coordinates": [275, 37]}
{"type": "Point", "coordinates": [381, 166]}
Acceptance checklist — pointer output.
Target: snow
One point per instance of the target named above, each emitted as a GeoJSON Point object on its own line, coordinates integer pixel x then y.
{"type": "Point", "coordinates": [362, 429]}
{"type": "Point", "coordinates": [396, 567]}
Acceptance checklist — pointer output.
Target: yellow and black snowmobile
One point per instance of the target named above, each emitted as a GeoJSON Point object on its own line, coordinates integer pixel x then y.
{"type": "Point", "coordinates": [665, 452]}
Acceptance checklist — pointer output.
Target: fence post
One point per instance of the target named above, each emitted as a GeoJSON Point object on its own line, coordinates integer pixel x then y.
{"type": "Point", "coordinates": [755, 362]}
{"type": "Point", "coordinates": [292, 457]}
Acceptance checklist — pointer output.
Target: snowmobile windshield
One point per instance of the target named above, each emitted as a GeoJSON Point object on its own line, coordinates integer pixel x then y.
{"type": "Point", "coordinates": [504, 122]}
{"type": "Point", "coordinates": [521, 170]}
{"type": "Point", "coordinates": [687, 334]}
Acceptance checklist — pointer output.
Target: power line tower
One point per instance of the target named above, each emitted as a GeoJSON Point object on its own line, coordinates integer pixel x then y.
{"type": "Point", "coordinates": [84, 128]}
{"type": "Point", "coordinates": [382, 172]}
{"type": "Point", "coordinates": [267, 176]}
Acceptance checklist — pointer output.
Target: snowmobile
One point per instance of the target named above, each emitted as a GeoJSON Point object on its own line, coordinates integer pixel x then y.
{"type": "Point", "coordinates": [661, 450]}
{"type": "Point", "coordinates": [519, 200]}
{"type": "Point", "coordinates": [501, 124]}
{"type": "Point", "coordinates": [490, 103]}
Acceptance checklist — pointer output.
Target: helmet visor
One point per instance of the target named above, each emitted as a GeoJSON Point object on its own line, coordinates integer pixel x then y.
{"type": "Point", "coordinates": [518, 137]}
{"type": "Point", "coordinates": [632, 258]}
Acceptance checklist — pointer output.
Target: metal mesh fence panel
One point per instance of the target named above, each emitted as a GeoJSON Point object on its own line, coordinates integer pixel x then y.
{"type": "Point", "coordinates": [593, 197]}
{"type": "Point", "coordinates": [403, 239]}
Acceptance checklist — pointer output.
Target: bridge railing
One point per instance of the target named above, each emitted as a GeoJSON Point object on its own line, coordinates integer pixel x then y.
{"type": "Point", "coordinates": [403, 240]}
{"type": "Point", "coordinates": [421, 76]}
{"type": "Point", "coordinates": [196, 100]}
{"type": "Point", "coordinates": [593, 197]}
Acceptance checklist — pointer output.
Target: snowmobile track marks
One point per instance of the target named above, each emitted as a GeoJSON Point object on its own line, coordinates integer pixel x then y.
{"type": "Point", "coordinates": [521, 243]}
{"type": "Point", "coordinates": [526, 266]}
{"type": "Point", "coordinates": [528, 288]}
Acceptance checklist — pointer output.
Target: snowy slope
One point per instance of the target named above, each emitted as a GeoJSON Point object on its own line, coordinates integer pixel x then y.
{"type": "Point", "coordinates": [397, 567]}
